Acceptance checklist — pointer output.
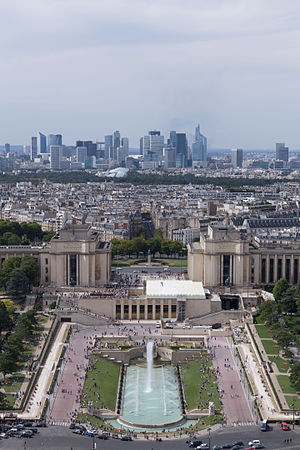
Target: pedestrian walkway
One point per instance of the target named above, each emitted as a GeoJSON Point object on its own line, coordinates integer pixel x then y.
{"type": "Point", "coordinates": [235, 405]}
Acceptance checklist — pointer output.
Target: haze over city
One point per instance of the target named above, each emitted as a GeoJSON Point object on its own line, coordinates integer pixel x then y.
{"type": "Point", "coordinates": [88, 67]}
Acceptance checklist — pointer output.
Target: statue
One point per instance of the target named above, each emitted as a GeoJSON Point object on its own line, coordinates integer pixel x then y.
{"type": "Point", "coordinates": [227, 282]}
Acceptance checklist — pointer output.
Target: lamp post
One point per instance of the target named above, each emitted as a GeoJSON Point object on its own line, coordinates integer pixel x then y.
{"type": "Point", "coordinates": [293, 406]}
{"type": "Point", "coordinates": [208, 429]}
{"type": "Point", "coordinates": [94, 444]}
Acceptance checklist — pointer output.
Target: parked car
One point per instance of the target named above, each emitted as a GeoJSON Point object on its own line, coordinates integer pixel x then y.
{"type": "Point", "coordinates": [216, 447]}
{"type": "Point", "coordinates": [254, 442]}
{"type": "Point", "coordinates": [28, 424]}
{"type": "Point", "coordinates": [34, 430]}
{"type": "Point", "coordinates": [41, 424]}
{"type": "Point", "coordinates": [72, 426]}
{"type": "Point", "coordinates": [103, 436]}
{"type": "Point", "coordinates": [19, 426]}
{"type": "Point", "coordinates": [203, 446]}
{"type": "Point", "coordinates": [27, 433]}
{"type": "Point", "coordinates": [240, 443]}
{"type": "Point", "coordinates": [126, 438]}
{"type": "Point", "coordinates": [195, 443]}
{"type": "Point", "coordinates": [227, 446]}
{"type": "Point", "coordinates": [76, 431]}
{"type": "Point", "coordinates": [89, 434]}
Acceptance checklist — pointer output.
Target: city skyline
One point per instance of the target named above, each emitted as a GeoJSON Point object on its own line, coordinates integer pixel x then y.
{"type": "Point", "coordinates": [137, 65]}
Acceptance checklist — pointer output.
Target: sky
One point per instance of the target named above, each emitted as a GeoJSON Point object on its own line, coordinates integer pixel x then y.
{"type": "Point", "coordinates": [85, 68]}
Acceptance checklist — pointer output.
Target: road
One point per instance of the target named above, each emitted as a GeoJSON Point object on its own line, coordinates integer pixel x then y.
{"type": "Point", "coordinates": [59, 438]}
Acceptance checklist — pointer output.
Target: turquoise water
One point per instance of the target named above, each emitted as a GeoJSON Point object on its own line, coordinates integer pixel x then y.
{"type": "Point", "coordinates": [157, 404]}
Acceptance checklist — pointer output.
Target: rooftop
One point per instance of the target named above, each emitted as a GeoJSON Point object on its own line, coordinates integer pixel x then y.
{"type": "Point", "coordinates": [175, 288]}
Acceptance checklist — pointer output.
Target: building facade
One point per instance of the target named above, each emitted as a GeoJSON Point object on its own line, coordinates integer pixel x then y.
{"type": "Point", "coordinates": [74, 257]}
{"type": "Point", "coordinates": [224, 256]}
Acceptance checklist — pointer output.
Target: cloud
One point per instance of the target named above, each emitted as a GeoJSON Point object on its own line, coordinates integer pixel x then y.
{"type": "Point", "coordinates": [86, 67]}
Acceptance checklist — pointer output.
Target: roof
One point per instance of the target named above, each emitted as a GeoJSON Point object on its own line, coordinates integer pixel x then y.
{"type": "Point", "coordinates": [175, 288]}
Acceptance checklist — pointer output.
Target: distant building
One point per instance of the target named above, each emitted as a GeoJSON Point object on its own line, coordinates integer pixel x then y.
{"type": "Point", "coordinates": [108, 147]}
{"type": "Point", "coordinates": [33, 148]}
{"type": "Point", "coordinates": [199, 149]}
{"type": "Point", "coordinates": [237, 157]}
{"type": "Point", "coordinates": [55, 156]}
{"type": "Point", "coordinates": [54, 139]}
{"type": "Point", "coordinates": [152, 147]}
{"type": "Point", "coordinates": [7, 149]}
{"type": "Point", "coordinates": [42, 143]}
{"type": "Point", "coordinates": [81, 154]}
{"type": "Point", "coordinates": [282, 152]}
{"type": "Point", "coordinates": [181, 150]}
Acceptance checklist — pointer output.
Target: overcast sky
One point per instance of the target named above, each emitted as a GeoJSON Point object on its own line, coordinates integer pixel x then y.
{"type": "Point", "coordinates": [87, 67]}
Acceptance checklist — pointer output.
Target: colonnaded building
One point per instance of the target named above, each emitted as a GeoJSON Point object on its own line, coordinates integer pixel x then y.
{"type": "Point", "coordinates": [226, 255]}
{"type": "Point", "coordinates": [75, 256]}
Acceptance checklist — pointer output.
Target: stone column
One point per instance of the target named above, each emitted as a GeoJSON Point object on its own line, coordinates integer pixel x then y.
{"type": "Point", "coordinates": [161, 309]}
{"type": "Point", "coordinates": [267, 268]}
{"type": "Point", "coordinates": [153, 309]}
{"type": "Point", "coordinates": [122, 309]}
{"type": "Point", "coordinates": [292, 269]}
{"type": "Point", "coordinates": [130, 309]}
{"type": "Point", "coordinates": [283, 266]}
{"type": "Point", "coordinates": [146, 309]}
{"type": "Point", "coordinates": [138, 309]}
{"type": "Point", "coordinates": [169, 308]}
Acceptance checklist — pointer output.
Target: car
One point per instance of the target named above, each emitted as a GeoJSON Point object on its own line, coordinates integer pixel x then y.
{"type": "Point", "coordinates": [89, 434]}
{"type": "Point", "coordinates": [240, 443]}
{"type": "Point", "coordinates": [72, 426]}
{"type": "Point", "coordinates": [28, 424]}
{"type": "Point", "coordinates": [41, 424]}
{"type": "Point", "coordinates": [19, 426]}
{"type": "Point", "coordinates": [27, 433]}
{"type": "Point", "coordinates": [126, 438]}
{"type": "Point", "coordinates": [76, 431]}
{"type": "Point", "coordinates": [227, 446]}
{"type": "Point", "coordinates": [4, 436]}
{"type": "Point", "coordinates": [216, 447]}
{"type": "Point", "coordinates": [102, 436]}
{"type": "Point", "coordinates": [203, 446]}
{"type": "Point", "coordinates": [34, 430]}
{"type": "Point", "coordinates": [115, 436]}
{"type": "Point", "coordinates": [256, 446]}
{"type": "Point", "coordinates": [285, 426]}
{"type": "Point", "coordinates": [195, 443]}
{"type": "Point", "coordinates": [254, 442]}
{"type": "Point", "coordinates": [236, 447]}
{"type": "Point", "coordinates": [158, 324]}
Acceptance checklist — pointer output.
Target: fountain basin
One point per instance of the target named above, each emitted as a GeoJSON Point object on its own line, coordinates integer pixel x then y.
{"type": "Point", "coordinates": [154, 403]}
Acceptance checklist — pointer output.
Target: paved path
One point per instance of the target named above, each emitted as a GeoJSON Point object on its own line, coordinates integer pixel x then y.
{"type": "Point", "coordinates": [235, 404]}
{"type": "Point", "coordinates": [37, 400]}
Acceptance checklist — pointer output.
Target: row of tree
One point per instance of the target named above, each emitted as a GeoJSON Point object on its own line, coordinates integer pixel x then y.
{"type": "Point", "coordinates": [17, 275]}
{"type": "Point", "coordinates": [14, 347]}
{"type": "Point", "coordinates": [155, 245]}
{"type": "Point", "coordinates": [288, 302]}
{"type": "Point", "coordinates": [15, 233]}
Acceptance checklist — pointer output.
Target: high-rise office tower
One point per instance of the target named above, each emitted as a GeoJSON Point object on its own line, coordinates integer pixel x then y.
{"type": "Point", "coordinates": [7, 149]}
{"type": "Point", "coordinates": [33, 148]}
{"type": "Point", "coordinates": [42, 143]}
{"type": "Point", "coordinates": [81, 154]}
{"type": "Point", "coordinates": [282, 152]}
{"type": "Point", "coordinates": [54, 139]}
{"type": "Point", "coordinates": [172, 140]}
{"type": "Point", "coordinates": [90, 146]}
{"type": "Point", "coordinates": [123, 150]}
{"type": "Point", "coordinates": [181, 150]}
{"type": "Point", "coordinates": [237, 157]}
{"type": "Point", "coordinates": [55, 156]}
{"type": "Point", "coordinates": [199, 149]}
{"type": "Point", "coordinates": [153, 145]}
{"type": "Point", "coordinates": [108, 146]}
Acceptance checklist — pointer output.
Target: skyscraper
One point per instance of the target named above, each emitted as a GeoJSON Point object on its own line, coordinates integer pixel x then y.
{"type": "Point", "coordinates": [43, 143]}
{"type": "Point", "coordinates": [54, 139]}
{"type": "Point", "coordinates": [282, 152]}
{"type": "Point", "coordinates": [199, 149]}
{"type": "Point", "coordinates": [237, 157]}
{"type": "Point", "coordinates": [7, 149]}
{"type": "Point", "coordinates": [152, 146]}
{"type": "Point", "coordinates": [55, 156]}
{"type": "Point", "coordinates": [33, 148]}
{"type": "Point", "coordinates": [81, 154]}
{"type": "Point", "coordinates": [181, 150]}
{"type": "Point", "coordinates": [108, 146]}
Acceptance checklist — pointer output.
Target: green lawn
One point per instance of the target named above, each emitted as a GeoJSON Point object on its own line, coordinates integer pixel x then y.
{"type": "Point", "coordinates": [258, 320]}
{"type": "Point", "coordinates": [194, 376]}
{"type": "Point", "coordinates": [105, 375]}
{"type": "Point", "coordinates": [263, 331]}
{"type": "Point", "coordinates": [171, 262]}
{"type": "Point", "coordinates": [16, 383]}
{"type": "Point", "coordinates": [9, 402]}
{"type": "Point", "coordinates": [284, 382]}
{"type": "Point", "coordinates": [296, 400]}
{"type": "Point", "coordinates": [269, 347]}
{"type": "Point", "coordinates": [282, 365]}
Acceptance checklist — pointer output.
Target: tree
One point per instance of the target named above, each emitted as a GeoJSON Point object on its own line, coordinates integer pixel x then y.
{"type": "Point", "coordinates": [8, 363]}
{"type": "Point", "coordinates": [5, 320]}
{"type": "Point", "coordinates": [30, 267]}
{"type": "Point", "coordinates": [18, 284]}
{"type": "Point", "coordinates": [295, 376]}
{"type": "Point", "coordinates": [154, 245]}
{"type": "Point", "coordinates": [269, 312]}
{"type": "Point", "coordinates": [175, 247]}
{"type": "Point", "coordinates": [280, 287]}
{"type": "Point", "coordinates": [7, 267]}
{"type": "Point", "coordinates": [48, 235]}
{"type": "Point", "coordinates": [287, 301]}
{"type": "Point", "coordinates": [158, 234]}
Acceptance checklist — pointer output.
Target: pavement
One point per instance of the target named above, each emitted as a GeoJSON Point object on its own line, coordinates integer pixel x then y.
{"type": "Point", "coordinates": [234, 400]}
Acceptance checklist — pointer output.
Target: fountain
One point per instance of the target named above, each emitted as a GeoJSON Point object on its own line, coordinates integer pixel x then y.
{"type": "Point", "coordinates": [149, 366]}
{"type": "Point", "coordinates": [151, 396]}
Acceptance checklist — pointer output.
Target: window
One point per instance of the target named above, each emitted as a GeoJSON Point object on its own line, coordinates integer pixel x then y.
{"type": "Point", "coordinates": [149, 309]}
{"type": "Point", "coordinates": [46, 279]}
{"type": "Point", "coordinates": [126, 309]}
{"type": "Point", "coordinates": [46, 261]}
{"type": "Point", "coordinates": [296, 268]}
{"type": "Point", "coordinates": [226, 268]}
{"type": "Point", "coordinates": [46, 270]}
{"type": "Point", "coordinates": [287, 269]}
{"type": "Point", "coordinates": [157, 308]}
{"type": "Point", "coordinates": [118, 310]}
{"type": "Point", "coordinates": [271, 275]}
{"type": "Point", "coordinates": [142, 309]}
{"type": "Point", "coordinates": [279, 268]}
{"type": "Point", "coordinates": [133, 309]}
{"type": "Point", "coordinates": [173, 309]}
{"type": "Point", "coordinates": [263, 270]}
{"type": "Point", "coordinates": [166, 309]}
